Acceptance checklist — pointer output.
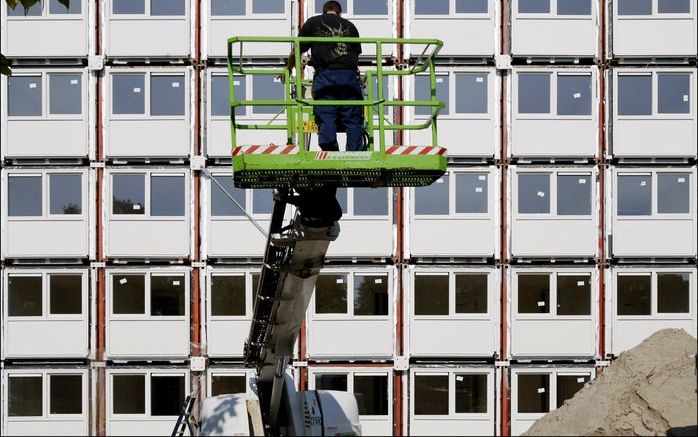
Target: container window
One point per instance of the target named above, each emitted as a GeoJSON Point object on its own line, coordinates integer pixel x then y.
{"type": "Point", "coordinates": [228, 295]}
{"type": "Point", "coordinates": [267, 87]}
{"type": "Point", "coordinates": [568, 386]}
{"type": "Point", "coordinates": [56, 8]}
{"type": "Point", "coordinates": [128, 294]}
{"type": "Point", "coordinates": [24, 94]}
{"type": "Point", "coordinates": [167, 296]}
{"type": "Point", "coordinates": [221, 205]}
{"type": "Point", "coordinates": [24, 196]}
{"type": "Point", "coordinates": [534, 294]}
{"type": "Point", "coordinates": [25, 396]}
{"type": "Point", "coordinates": [129, 394]}
{"type": "Point", "coordinates": [634, 295]}
{"type": "Point", "coordinates": [422, 91]}
{"type": "Point", "coordinates": [431, 395]}
{"type": "Point", "coordinates": [574, 94]}
{"type": "Point", "coordinates": [573, 295]}
{"type": "Point", "coordinates": [674, 7]}
{"type": "Point", "coordinates": [534, 93]}
{"type": "Point", "coordinates": [24, 296]}
{"type": "Point", "coordinates": [370, 7]}
{"type": "Point", "coordinates": [228, 384]}
{"type": "Point", "coordinates": [268, 6]}
{"type": "Point", "coordinates": [673, 293]}
{"type": "Point", "coordinates": [673, 193]}
{"type": "Point", "coordinates": [431, 295]}
{"type": "Point", "coordinates": [227, 7]}
{"type": "Point", "coordinates": [574, 7]}
{"type": "Point", "coordinates": [634, 95]}
{"type": "Point", "coordinates": [534, 393]}
{"type": "Point", "coordinates": [220, 102]}
{"type": "Point", "coordinates": [319, 3]}
{"type": "Point", "coordinates": [167, 196]}
{"type": "Point", "coordinates": [634, 7]}
{"type": "Point", "coordinates": [634, 194]}
{"type": "Point", "coordinates": [19, 10]}
{"type": "Point", "coordinates": [471, 6]}
{"type": "Point", "coordinates": [471, 393]}
{"type": "Point", "coordinates": [471, 193]}
{"type": "Point", "coordinates": [432, 199]}
{"type": "Point", "coordinates": [371, 201]}
{"type": "Point", "coordinates": [331, 294]}
{"type": "Point", "coordinates": [674, 93]}
{"type": "Point", "coordinates": [167, 95]}
{"type": "Point", "coordinates": [371, 393]}
{"type": "Point", "coordinates": [431, 7]}
{"type": "Point", "coordinates": [331, 381]}
{"type": "Point", "coordinates": [166, 395]}
{"type": "Point", "coordinates": [167, 7]}
{"type": "Point", "coordinates": [65, 293]}
{"type": "Point", "coordinates": [65, 93]}
{"type": "Point", "coordinates": [534, 6]}
{"type": "Point", "coordinates": [128, 7]}
{"type": "Point", "coordinates": [128, 93]}
{"type": "Point", "coordinates": [262, 201]}
{"type": "Point", "coordinates": [370, 295]}
{"type": "Point", "coordinates": [128, 194]}
{"type": "Point", "coordinates": [573, 194]}
{"type": "Point", "coordinates": [471, 93]}
{"type": "Point", "coordinates": [534, 193]}
{"type": "Point", "coordinates": [65, 194]}
{"type": "Point", "coordinates": [374, 87]}
{"type": "Point", "coordinates": [342, 199]}
{"type": "Point", "coordinates": [471, 294]}
{"type": "Point", "coordinates": [65, 394]}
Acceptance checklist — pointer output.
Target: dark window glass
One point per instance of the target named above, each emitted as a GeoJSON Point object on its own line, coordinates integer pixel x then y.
{"type": "Point", "coordinates": [128, 194]}
{"type": "Point", "coordinates": [574, 7]}
{"type": "Point", "coordinates": [673, 293]}
{"type": "Point", "coordinates": [634, 95]}
{"type": "Point", "coordinates": [573, 194]}
{"type": "Point", "coordinates": [24, 296]}
{"type": "Point", "coordinates": [574, 94]}
{"type": "Point", "coordinates": [128, 7]}
{"type": "Point", "coordinates": [534, 193]}
{"type": "Point", "coordinates": [24, 94]}
{"type": "Point", "coordinates": [65, 93]}
{"type": "Point", "coordinates": [370, 201]}
{"type": "Point", "coordinates": [534, 6]}
{"type": "Point", "coordinates": [331, 381]}
{"type": "Point", "coordinates": [128, 294]}
{"type": "Point", "coordinates": [24, 394]}
{"type": "Point", "coordinates": [129, 394]}
{"type": "Point", "coordinates": [19, 11]}
{"type": "Point", "coordinates": [167, 196]}
{"type": "Point", "coordinates": [331, 294]}
{"type": "Point", "coordinates": [431, 295]}
{"type": "Point", "coordinates": [568, 386]}
{"type": "Point", "coordinates": [573, 295]}
{"type": "Point", "coordinates": [167, 7]}
{"type": "Point", "coordinates": [167, 95]}
{"type": "Point", "coordinates": [534, 393]}
{"type": "Point", "coordinates": [228, 384]}
{"type": "Point", "coordinates": [370, 7]}
{"type": "Point", "coordinates": [267, 87]}
{"type": "Point", "coordinates": [471, 393]}
{"type": "Point", "coordinates": [24, 196]}
{"type": "Point", "coordinates": [534, 93]}
{"type": "Point", "coordinates": [674, 93]}
{"type": "Point", "coordinates": [430, 7]}
{"type": "Point", "coordinates": [634, 7]}
{"type": "Point", "coordinates": [370, 295]}
{"type": "Point", "coordinates": [221, 204]}
{"type": "Point", "coordinates": [128, 93]}
{"type": "Point", "coordinates": [634, 295]}
{"type": "Point", "coordinates": [534, 294]}
{"type": "Point", "coordinates": [471, 293]}
{"type": "Point", "coordinates": [432, 199]}
{"type": "Point", "coordinates": [268, 6]}
{"type": "Point", "coordinates": [65, 294]}
{"type": "Point", "coordinates": [262, 201]}
{"type": "Point", "coordinates": [371, 393]}
{"type": "Point", "coordinates": [431, 395]}
{"type": "Point", "coordinates": [65, 193]}
{"type": "Point", "coordinates": [342, 199]}
{"type": "Point", "coordinates": [422, 91]}
{"type": "Point", "coordinates": [65, 394]}
{"type": "Point", "coordinates": [471, 93]}
{"type": "Point", "coordinates": [471, 6]}
{"type": "Point", "coordinates": [227, 7]}
{"type": "Point", "coordinates": [228, 295]}
{"type": "Point", "coordinates": [634, 194]}
{"type": "Point", "coordinates": [220, 97]}
{"type": "Point", "coordinates": [471, 193]}
{"type": "Point", "coordinates": [166, 395]}
{"type": "Point", "coordinates": [673, 193]}
{"type": "Point", "coordinates": [674, 6]}
{"type": "Point", "coordinates": [167, 296]}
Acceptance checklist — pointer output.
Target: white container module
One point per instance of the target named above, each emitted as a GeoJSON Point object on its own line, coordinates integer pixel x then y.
{"type": "Point", "coordinates": [472, 99]}
{"type": "Point", "coordinates": [636, 24]}
{"type": "Point", "coordinates": [452, 401]}
{"type": "Point", "coordinates": [554, 112]}
{"type": "Point", "coordinates": [63, 32]}
{"type": "Point", "coordinates": [228, 18]}
{"type": "Point", "coordinates": [453, 301]}
{"type": "Point", "coordinates": [654, 112]}
{"type": "Point", "coordinates": [652, 212]}
{"type": "Point", "coordinates": [144, 401]}
{"type": "Point", "coordinates": [147, 313]}
{"type": "Point", "coordinates": [348, 306]}
{"type": "Point", "coordinates": [456, 217]}
{"type": "Point", "coordinates": [550, 202]}
{"type": "Point", "coordinates": [147, 213]}
{"type": "Point", "coordinates": [46, 213]}
{"type": "Point", "coordinates": [257, 87]}
{"type": "Point", "coordinates": [372, 386]}
{"type": "Point", "coordinates": [46, 113]}
{"type": "Point", "coordinates": [147, 112]}
{"type": "Point", "coordinates": [229, 307]}
{"type": "Point", "coordinates": [467, 28]}
{"type": "Point", "coordinates": [45, 401]}
{"type": "Point", "coordinates": [45, 313]}
{"type": "Point", "coordinates": [538, 390]}
{"type": "Point", "coordinates": [227, 380]}
{"type": "Point", "coordinates": [642, 300]}
{"type": "Point", "coordinates": [553, 312]}
{"type": "Point", "coordinates": [554, 28]}
{"type": "Point", "coordinates": [128, 21]}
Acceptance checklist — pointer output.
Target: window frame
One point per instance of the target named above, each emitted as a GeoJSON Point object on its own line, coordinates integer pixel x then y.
{"type": "Point", "coordinates": [146, 316]}
{"type": "Point", "coordinates": [43, 75]}
{"type": "Point", "coordinates": [46, 15]}
{"type": "Point", "coordinates": [350, 374]}
{"type": "Point", "coordinates": [146, 15]}
{"type": "Point", "coordinates": [553, 274]}
{"type": "Point", "coordinates": [350, 274]}
{"type": "Point", "coordinates": [249, 199]}
{"type": "Point", "coordinates": [86, 180]}
{"type": "Point", "coordinates": [654, 173]}
{"type": "Point", "coordinates": [45, 276]}
{"type": "Point", "coordinates": [249, 13]}
{"type": "Point", "coordinates": [654, 314]}
{"type": "Point", "coordinates": [249, 294]}
{"type": "Point", "coordinates": [351, 207]}
{"type": "Point", "coordinates": [654, 74]}
{"type": "Point", "coordinates": [148, 373]}
{"type": "Point", "coordinates": [450, 73]}
{"type": "Point", "coordinates": [591, 72]}
{"type": "Point", "coordinates": [552, 385]}
{"type": "Point", "coordinates": [491, 176]}
{"type": "Point", "coordinates": [214, 371]}
{"type": "Point", "coordinates": [553, 174]}
{"type": "Point", "coordinates": [655, 13]}
{"type": "Point", "coordinates": [452, 14]}
{"type": "Point", "coordinates": [452, 273]}
{"type": "Point", "coordinates": [147, 73]}
{"type": "Point", "coordinates": [552, 15]}
{"type": "Point", "coordinates": [452, 374]}
{"type": "Point", "coordinates": [45, 375]}
{"type": "Point", "coordinates": [148, 174]}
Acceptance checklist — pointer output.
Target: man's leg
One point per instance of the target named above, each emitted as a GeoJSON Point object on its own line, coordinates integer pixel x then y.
{"type": "Point", "coordinates": [352, 117]}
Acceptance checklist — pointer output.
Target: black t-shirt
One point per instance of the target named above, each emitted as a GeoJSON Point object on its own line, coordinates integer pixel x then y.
{"type": "Point", "coordinates": [333, 56]}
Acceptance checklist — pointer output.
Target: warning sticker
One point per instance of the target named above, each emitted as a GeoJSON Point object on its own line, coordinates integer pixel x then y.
{"type": "Point", "coordinates": [541, 303]}
{"type": "Point", "coordinates": [580, 379]}
{"type": "Point", "coordinates": [540, 194]}
{"type": "Point", "coordinates": [137, 90]}
{"type": "Point", "coordinates": [175, 84]}
{"type": "Point", "coordinates": [479, 79]}
{"type": "Point", "coordinates": [478, 189]}
{"type": "Point", "coordinates": [577, 95]}
{"type": "Point", "coordinates": [541, 390]}
{"type": "Point", "coordinates": [32, 85]}
{"type": "Point", "coordinates": [340, 280]}
{"type": "Point", "coordinates": [482, 177]}
{"type": "Point", "coordinates": [73, 81]}
{"type": "Point", "coordinates": [136, 207]}
{"type": "Point", "coordinates": [122, 281]}
{"type": "Point", "coordinates": [582, 181]}
{"type": "Point", "coordinates": [310, 127]}
{"type": "Point", "coordinates": [378, 281]}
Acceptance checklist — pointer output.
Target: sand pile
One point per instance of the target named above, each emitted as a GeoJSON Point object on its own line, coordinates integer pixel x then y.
{"type": "Point", "coordinates": [648, 390]}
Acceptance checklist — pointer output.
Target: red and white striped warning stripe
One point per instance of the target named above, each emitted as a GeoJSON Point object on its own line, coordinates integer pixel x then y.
{"type": "Point", "coordinates": [265, 150]}
{"type": "Point", "coordinates": [415, 150]}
